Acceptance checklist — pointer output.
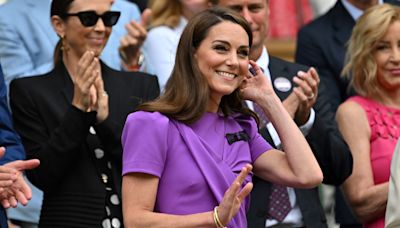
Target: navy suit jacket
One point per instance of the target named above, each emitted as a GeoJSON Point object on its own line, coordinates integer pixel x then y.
{"type": "Point", "coordinates": [8, 138]}
{"type": "Point", "coordinates": [330, 150]}
{"type": "Point", "coordinates": [322, 44]}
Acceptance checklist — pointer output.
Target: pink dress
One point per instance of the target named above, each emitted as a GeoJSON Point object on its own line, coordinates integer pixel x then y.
{"type": "Point", "coordinates": [385, 130]}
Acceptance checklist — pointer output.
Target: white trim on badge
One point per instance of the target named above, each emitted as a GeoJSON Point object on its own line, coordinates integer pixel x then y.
{"type": "Point", "coordinates": [282, 84]}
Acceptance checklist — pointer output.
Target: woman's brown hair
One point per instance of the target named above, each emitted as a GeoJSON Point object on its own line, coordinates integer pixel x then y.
{"type": "Point", "coordinates": [187, 92]}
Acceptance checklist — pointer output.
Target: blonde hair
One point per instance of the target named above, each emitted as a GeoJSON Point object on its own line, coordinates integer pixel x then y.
{"type": "Point", "coordinates": [165, 12]}
{"type": "Point", "coordinates": [360, 65]}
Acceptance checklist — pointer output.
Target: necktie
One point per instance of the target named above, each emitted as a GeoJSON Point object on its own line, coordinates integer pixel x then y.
{"type": "Point", "coordinates": [279, 204]}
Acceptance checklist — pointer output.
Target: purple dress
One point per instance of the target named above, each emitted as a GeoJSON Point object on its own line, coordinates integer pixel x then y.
{"type": "Point", "coordinates": [196, 163]}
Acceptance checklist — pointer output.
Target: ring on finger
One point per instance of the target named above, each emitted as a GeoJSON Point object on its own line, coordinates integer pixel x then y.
{"type": "Point", "coordinates": [311, 96]}
{"type": "Point", "coordinates": [104, 94]}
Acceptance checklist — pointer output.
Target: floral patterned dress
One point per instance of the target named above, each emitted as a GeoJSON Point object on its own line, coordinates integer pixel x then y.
{"type": "Point", "coordinates": [385, 130]}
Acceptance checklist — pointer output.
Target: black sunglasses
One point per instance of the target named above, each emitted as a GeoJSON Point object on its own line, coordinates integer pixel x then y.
{"type": "Point", "coordinates": [90, 18]}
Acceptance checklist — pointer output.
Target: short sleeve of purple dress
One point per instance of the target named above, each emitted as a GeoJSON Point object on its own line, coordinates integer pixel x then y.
{"type": "Point", "coordinates": [195, 163]}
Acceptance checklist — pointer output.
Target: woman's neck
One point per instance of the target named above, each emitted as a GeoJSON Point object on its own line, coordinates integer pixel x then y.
{"type": "Point", "coordinates": [213, 104]}
{"type": "Point", "coordinates": [187, 14]}
{"type": "Point", "coordinates": [390, 98]}
{"type": "Point", "coordinates": [70, 63]}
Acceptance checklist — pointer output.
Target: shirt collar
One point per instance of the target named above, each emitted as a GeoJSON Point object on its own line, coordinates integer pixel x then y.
{"type": "Point", "coordinates": [354, 12]}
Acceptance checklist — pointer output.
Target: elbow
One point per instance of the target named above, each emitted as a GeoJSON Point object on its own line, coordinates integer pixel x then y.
{"type": "Point", "coordinates": [360, 210]}
{"type": "Point", "coordinates": [135, 218]}
{"type": "Point", "coordinates": [311, 180]}
{"type": "Point", "coordinates": [131, 222]}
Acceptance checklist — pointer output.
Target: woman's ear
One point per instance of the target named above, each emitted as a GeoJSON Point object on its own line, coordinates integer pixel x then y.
{"type": "Point", "coordinates": [58, 25]}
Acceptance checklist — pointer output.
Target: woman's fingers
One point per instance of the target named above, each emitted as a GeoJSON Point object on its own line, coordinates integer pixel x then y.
{"type": "Point", "coordinates": [243, 173]}
{"type": "Point", "coordinates": [234, 195]}
{"type": "Point", "coordinates": [245, 191]}
{"type": "Point", "coordinates": [84, 62]}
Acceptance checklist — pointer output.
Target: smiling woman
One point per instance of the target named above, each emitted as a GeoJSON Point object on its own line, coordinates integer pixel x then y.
{"type": "Point", "coordinates": [72, 117]}
{"type": "Point", "coordinates": [370, 122]}
{"type": "Point", "coordinates": [223, 60]}
{"type": "Point", "coordinates": [188, 155]}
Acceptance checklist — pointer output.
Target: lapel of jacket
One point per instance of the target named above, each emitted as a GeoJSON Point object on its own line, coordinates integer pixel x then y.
{"type": "Point", "coordinates": [279, 70]}
{"type": "Point", "coordinates": [62, 76]}
{"type": "Point", "coordinates": [109, 81]}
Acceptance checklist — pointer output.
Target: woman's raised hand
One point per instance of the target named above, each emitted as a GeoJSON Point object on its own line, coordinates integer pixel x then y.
{"type": "Point", "coordinates": [87, 71]}
{"type": "Point", "coordinates": [234, 196]}
{"type": "Point", "coordinates": [257, 86]}
{"type": "Point", "coordinates": [101, 104]}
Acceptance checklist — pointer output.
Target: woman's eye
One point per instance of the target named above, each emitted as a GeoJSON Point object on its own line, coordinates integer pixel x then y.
{"type": "Point", "coordinates": [382, 47]}
{"type": "Point", "coordinates": [220, 48]}
{"type": "Point", "coordinates": [244, 53]}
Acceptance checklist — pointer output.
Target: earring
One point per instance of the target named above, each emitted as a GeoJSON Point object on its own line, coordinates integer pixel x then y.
{"type": "Point", "coordinates": [63, 44]}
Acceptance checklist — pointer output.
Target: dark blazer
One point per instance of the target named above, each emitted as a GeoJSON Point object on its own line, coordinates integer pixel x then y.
{"type": "Point", "coordinates": [331, 151]}
{"type": "Point", "coordinates": [322, 44]}
{"type": "Point", "coordinates": [57, 133]}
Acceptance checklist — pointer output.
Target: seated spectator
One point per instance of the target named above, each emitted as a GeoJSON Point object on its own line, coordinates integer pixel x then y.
{"type": "Point", "coordinates": [27, 41]}
{"type": "Point", "coordinates": [72, 117]}
{"type": "Point", "coordinates": [369, 121]}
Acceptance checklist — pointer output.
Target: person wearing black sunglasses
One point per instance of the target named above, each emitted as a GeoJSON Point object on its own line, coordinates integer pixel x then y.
{"type": "Point", "coordinates": [72, 117]}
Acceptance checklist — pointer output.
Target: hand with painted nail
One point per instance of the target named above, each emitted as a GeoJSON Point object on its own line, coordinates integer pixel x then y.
{"type": "Point", "coordinates": [255, 86]}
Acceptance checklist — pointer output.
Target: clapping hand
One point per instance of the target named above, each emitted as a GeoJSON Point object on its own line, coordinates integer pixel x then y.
{"type": "Point", "coordinates": [15, 189]}
{"type": "Point", "coordinates": [306, 93]}
{"type": "Point", "coordinates": [131, 43]}
{"type": "Point", "coordinates": [89, 93]}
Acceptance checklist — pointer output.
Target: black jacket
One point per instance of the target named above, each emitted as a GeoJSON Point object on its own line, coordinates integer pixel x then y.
{"type": "Point", "coordinates": [56, 132]}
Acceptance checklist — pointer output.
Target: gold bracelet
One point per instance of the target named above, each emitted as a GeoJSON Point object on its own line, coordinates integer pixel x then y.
{"type": "Point", "coordinates": [217, 222]}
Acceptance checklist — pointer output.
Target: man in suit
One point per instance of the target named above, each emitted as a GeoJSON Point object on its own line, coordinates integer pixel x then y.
{"type": "Point", "coordinates": [27, 40]}
{"type": "Point", "coordinates": [329, 148]}
{"type": "Point", "coordinates": [322, 44]}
